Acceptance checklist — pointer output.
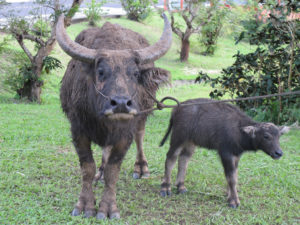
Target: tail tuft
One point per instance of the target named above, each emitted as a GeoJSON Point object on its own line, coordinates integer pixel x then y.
{"type": "Point", "coordinates": [167, 134]}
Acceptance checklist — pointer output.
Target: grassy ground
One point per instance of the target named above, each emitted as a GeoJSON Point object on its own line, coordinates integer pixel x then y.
{"type": "Point", "coordinates": [40, 175]}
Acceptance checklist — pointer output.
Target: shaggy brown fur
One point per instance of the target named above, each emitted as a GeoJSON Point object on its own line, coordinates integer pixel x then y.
{"type": "Point", "coordinates": [99, 99]}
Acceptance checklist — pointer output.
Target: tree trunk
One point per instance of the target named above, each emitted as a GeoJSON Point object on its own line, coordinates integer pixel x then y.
{"type": "Point", "coordinates": [31, 90]}
{"type": "Point", "coordinates": [185, 49]}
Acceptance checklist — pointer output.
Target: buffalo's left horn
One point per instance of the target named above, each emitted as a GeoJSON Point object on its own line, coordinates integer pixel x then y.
{"type": "Point", "coordinates": [154, 52]}
{"type": "Point", "coordinates": [72, 48]}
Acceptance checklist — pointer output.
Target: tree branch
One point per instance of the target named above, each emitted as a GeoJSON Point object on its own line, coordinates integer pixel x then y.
{"type": "Point", "coordinates": [19, 38]}
{"type": "Point", "coordinates": [34, 39]}
{"type": "Point", "coordinates": [176, 30]}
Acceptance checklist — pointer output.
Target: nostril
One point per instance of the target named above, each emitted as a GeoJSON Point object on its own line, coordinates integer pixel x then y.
{"type": "Point", "coordinates": [129, 103]}
{"type": "Point", "coordinates": [278, 153]}
{"type": "Point", "coordinates": [113, 102]}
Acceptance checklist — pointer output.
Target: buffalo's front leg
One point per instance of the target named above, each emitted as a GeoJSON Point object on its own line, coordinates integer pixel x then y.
{"type": "Point", "coordinates": [230, 164]}
{"type": "Point", "coordinates": [86, 201]}
{"type": "Point", "coordinates": [141, 164]}
{"type": "Point", "coordinates": [108, 205]}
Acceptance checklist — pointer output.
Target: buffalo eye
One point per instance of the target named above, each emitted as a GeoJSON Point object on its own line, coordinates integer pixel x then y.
{"type": "Point", "coordinates": [100, 72]}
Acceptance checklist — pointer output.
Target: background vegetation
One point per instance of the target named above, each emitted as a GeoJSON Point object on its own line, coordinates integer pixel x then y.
{"type": "Point", "coordinates": [39, 170]}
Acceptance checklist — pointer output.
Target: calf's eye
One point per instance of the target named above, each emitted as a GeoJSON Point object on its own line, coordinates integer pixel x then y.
{"type": "Point", "coordinates": [267, 137]}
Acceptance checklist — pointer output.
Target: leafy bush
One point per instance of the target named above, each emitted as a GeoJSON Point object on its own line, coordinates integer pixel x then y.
{"type": "Point", "coordinates": [41, 28]}
{"type": "Point", "coordinates": [274, 67]}
{"type": "Point", "coordinates": [51, 63]}
{"type": "Point", "coordinates": [210, 32]}
{"type": "Point", "coordinates": [94, 11]}
{"type": "Point", "coordinates": [17, 69]}
{"type": "Point", "coordinates": [137, 10]}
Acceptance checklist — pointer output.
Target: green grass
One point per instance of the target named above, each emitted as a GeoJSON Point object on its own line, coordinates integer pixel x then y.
{"type": "Point", "coordinates": [40, 176]}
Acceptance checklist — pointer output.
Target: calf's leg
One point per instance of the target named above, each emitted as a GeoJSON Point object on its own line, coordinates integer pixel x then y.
{"type": "Point", "coordinates": [108, 206]}
{"type": "Point", "coordinates": [169, 165]}
{"type": "Point", "coordinates": [183, 160]}
{"type": "Point", "coordinates": [230, 164]}
{"type": "Point", "coordinates": [141, 164]}
{"type": "Point", "coordinates": [86, 201]}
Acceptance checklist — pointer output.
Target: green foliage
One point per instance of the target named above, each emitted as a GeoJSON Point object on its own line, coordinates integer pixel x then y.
{"type": "Point", "coordinates": [41, 28]}
{"type": "Point", "coordinates": [211, 31]}
{"type": "Point", "coordinates": [137, 10]}
{"type": "Point", "coordinates": [51, 63]}
{"type": "Point", "coordinates": [18, 69]}
{"type": "Point", "coordinates": [94, 11]}
{"type": "Point", "coordinates": [272, 68]}
{"type": "Point", "coordinates": [3, 44]}
{"type": "Point", "coordinates": [17, 78]}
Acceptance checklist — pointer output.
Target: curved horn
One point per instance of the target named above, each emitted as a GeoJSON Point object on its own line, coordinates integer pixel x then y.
{"type": "Point", "coordinates": [154, 52]}
{"type": "Point", "coordinates": [72, 48]}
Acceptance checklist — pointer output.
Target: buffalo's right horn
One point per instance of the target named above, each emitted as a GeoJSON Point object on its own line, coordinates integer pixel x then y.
{"type": "Point", "coordinates": [154, 52]}
{"type": "Point", "coordinates": [72, 48]}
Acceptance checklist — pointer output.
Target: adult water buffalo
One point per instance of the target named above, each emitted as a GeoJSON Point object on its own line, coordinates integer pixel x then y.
{"type": "Point", "coordinates": [106, 85]}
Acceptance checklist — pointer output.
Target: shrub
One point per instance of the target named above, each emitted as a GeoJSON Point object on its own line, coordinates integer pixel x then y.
{"type": "Point", "coordinates": [210, 32]}
{"type": "Point", "coordinates": [137, 10]}
{"type": "Point", "coordinates": [94, 11]}
{"type": "Point", "coordinates": [274, 67]}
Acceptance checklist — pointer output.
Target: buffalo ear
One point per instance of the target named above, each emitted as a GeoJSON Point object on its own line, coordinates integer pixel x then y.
{"type": "Point", "coordinates": [250, 130]}
{"type": "Point", "coordinates": [152, 78]}
{"type": "Point", "coordinates": [283, 130]}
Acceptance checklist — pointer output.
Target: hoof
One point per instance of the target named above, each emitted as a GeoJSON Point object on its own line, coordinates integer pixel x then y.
{"type": "Point", "coordinates": [182, 191]}
{"type": "Point", "coordinates": [136, 176]}
{"type": "Point", "coordinates": [76, 212]}
{"type": "Point", "coordinates": [233, 206]}
{"type": "Point", "coordinates": [165, 193]}
{"type": "Point", "coordinates": [115, 215]}
{"type": "Point", "coordinates": [89, 213]}
{"type": "Point", "coordinates": [146, 175]}
{"type": "Point", "coordinates": [100, 216]}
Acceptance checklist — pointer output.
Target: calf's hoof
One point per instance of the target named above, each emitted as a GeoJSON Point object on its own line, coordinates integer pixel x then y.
{"type": "Point", "coordinates": [233, 203]}
{"type": "Point", "coordinates": [115, 215]}
{"type": "Point", "coordinates": [136, 175]}
{"type": "Point", "coordinates": [182, 191]}
{"type": "Point", "coordinates": [76, 212]}
{"type": "Point", "coordinates": [233, 206]}
{"type": "Point", "coordinates": [101, 216]}
{"type": "Point", "coordinates": [165, 193]}
{"type": "Point", "coordinates": [146, 175]}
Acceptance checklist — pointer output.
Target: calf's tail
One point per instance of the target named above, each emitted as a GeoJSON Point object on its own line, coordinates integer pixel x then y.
{"type": "Point", "coordinates": [167, 134]}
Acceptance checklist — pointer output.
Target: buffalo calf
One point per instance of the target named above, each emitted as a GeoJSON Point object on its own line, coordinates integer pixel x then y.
{"type": "Point", "coordinates": [218, 126]}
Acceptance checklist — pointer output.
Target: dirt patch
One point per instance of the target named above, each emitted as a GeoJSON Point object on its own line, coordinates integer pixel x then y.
{"type": "Point", "coordinates": [176, 83]}
{"type": "Point", "coordinates": [195, 71]}
{"type": "Point", "coordinates": [64, 150]}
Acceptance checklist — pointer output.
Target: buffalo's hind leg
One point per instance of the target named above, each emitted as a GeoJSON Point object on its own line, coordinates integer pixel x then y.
{"type": "Point", "coordinates": [230, 164]}
{"type": "Point", "coordinates": [183, 160]}
{"type": "Point", "coordinates": [172, 155]}
{"type": "Point", "coordinates": [141, 165]}
{"type": "Point", "coordinates": [86, 201]}
{"type": "Point", "coordinates": [105, 155]}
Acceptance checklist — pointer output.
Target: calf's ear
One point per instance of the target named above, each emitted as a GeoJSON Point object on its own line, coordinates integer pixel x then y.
{"type": "Point", "coordinates": [283, 130]}
{"type": "Point", "coordinates": [250, 130]}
